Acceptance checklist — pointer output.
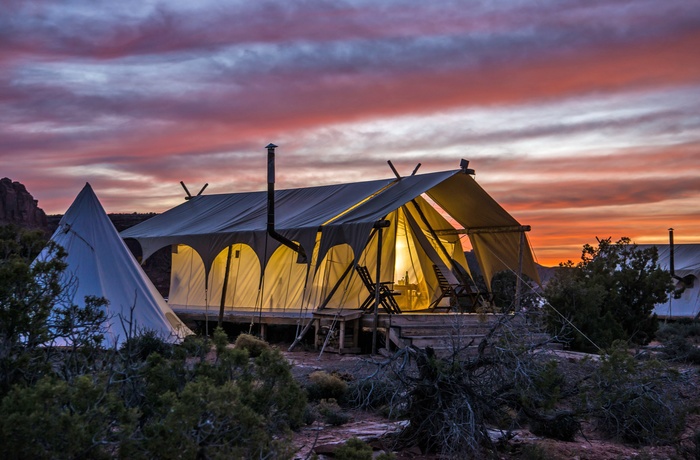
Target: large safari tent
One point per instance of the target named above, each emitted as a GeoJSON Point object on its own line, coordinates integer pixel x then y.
{"type": "Point", "coordinates": [225, 259]}
{"type": "Point", "coordinates": [683, 261]}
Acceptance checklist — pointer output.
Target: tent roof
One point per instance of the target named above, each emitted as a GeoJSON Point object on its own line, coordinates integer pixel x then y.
{"type": "Point", "coordinates": [103, 266]}
{"type": "Point", "coordinates": [344, 213]}
{"type": "Point", "coordinates": [210, 223]}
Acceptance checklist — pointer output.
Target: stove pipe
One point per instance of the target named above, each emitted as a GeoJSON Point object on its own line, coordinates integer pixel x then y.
{"type": "Point", "coordinates": [671, 255]}
{"type": "Point", "coordinates": [271, 207]}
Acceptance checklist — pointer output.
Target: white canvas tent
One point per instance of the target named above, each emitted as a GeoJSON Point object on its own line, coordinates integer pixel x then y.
{"type": "Point", "coordinates": [686, 260]}
{"type": "Point", "coordinates": [335, 226]}
{"type": "Point", "coordinates": [100, 264]}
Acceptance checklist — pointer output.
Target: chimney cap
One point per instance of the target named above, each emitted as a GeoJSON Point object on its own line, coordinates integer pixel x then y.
{"type": "Point", "coordinates": [271, 146]}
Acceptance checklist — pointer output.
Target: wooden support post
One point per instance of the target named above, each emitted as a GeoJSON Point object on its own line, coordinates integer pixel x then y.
{"type": "Point", "coordinates": [341, 338]}
{"type": "Point", "coordinates": [317, 327]}
{"type": "Point", "coordinates": [225, 287]}
{"type": "Point", "coordinates": [356, 333]}
{"type": "Point", "coordinates": [378, 280]}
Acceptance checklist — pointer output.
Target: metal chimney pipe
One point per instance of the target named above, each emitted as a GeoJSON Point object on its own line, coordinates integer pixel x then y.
{"type": "Point", "coordinates": [671, 253]}
{"type": "Point", "coordinates": [271, 187]}
{"type": "Point", "coordinates": [301, 255]}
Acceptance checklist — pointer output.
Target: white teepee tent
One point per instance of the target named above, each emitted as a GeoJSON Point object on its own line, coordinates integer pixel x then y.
{"type": "Point", "coordinates": [102, 266]}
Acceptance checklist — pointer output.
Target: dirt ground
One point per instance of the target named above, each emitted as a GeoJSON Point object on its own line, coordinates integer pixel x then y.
{"type": "Point", "coordinates": [373, 428]}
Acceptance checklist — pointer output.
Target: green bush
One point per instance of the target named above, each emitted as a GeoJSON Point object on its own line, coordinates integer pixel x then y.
{"type": "Point", "coordinates": [325, 386]}
{"type": "Point", "coordinates": [332, 413]}
{"type": "Point", "coordinates": [680, 349]}
{"type": "Point", "coordinates": [55, 419]}
{"type": "Point", "coordinates": [252, 344]}
{"type": "Point", "coordinates": [207, 420]}
{"type": "Point", "coordinates": [682, 328]}
{"type": "Point", "coordinates": [563, 427]}
{"type": "Point", "coordinates": [533, 452]}
{"type": "Point", "coordinates": [635, 401]}
{"type": "Point", "coordinates": [609, 295]}
{"type": "Point", "coordinates": [353, 449]}
{"type": "Point", "coordinates": [696, 445]}
{"type": "Point", "coordinates": [148, 399]}
{"type": "Point", "coordinates": [145, 343]}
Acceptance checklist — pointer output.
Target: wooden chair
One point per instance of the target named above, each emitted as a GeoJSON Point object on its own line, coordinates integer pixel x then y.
{"type": "Point", "coordinates": [386, 296]}
{"type": "Point", "coordinates": [461, 297]}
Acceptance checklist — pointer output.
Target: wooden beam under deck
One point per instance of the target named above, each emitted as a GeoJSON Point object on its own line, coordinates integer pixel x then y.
{"type": "Point", "coordinates": [398, 329]}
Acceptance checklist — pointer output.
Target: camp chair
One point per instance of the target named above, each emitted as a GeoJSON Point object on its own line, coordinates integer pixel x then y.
{"type": "Point", "coordinates": [460, 296]}
{"type": "Point", "coordinates": [386, 296]}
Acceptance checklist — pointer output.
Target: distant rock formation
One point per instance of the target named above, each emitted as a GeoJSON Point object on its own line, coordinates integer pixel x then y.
{"type": "Point", "coordinates": [18, 206]}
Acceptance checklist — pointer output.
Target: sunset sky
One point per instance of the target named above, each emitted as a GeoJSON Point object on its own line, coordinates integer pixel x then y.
{"type": "Point", "coordinates": [581, 117]}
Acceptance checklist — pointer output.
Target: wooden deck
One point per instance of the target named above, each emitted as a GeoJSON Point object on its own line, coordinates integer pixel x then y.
{"type": "Point", "coordinates": [341, 330]}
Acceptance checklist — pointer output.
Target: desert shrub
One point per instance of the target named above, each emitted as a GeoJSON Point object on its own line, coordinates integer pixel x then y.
{"type": "Point", "coordinates": [543, 387]}
{"type": "Point", "coordinates": [332, 413]}
{"type": "Point", "coordinates": [147, 399]}
{"type": "Point", "coordinates": [635, 401]}
{"type": "Point", "coordinates": [563, 426]}
{"type": "Point", "coordinates": [696, 445]}
{"type": "Point", "coordinates": [682, 328]}
{"type": "Point", "coordinates": [323, 385]}
{"type": "Point", "coordinates": [146, 342]}
{"type": "Point", "coordinates": [192, 346]}
{"type": "Point", "coordinates": [55, 419]}
{"type": "Point", "coordinates": [679, 341]}
{"type": "Point", "coordinates": [680, 349]}
{"type": "Point", "coordinates": [37, 309]}
{"type": "Point", "coordinates": [609, 295]}
{"type": "Point", "coordinates": [371, 393]}
{"type": "Point", "coordinates": [206, 420]}
{"type": "Point", "coordinates": [254, 345]}
{"type": "Point", "coordinates": [275, 393]}
{"type": "Point", "coordinates": [353, 449]}
{"type": "Point", "coordinates": [540, 394]}
{"type": "Point", "coordinates": [234, 407]}
{"type": "Point", "coordinates": [533, 452]}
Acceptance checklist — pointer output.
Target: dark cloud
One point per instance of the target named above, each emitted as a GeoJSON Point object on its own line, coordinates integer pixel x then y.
{"type": "Point", "coordinates": [135, 97]}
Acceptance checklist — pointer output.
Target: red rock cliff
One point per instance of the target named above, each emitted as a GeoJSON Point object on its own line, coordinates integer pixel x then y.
{"type": "Point", "coordinates": [18, 206]}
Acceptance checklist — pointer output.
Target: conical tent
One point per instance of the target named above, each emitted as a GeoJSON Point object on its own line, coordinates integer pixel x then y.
{"type": "Point", "coordinates": [222, 254]}
{"type": "Point", "coordinates": [100, 264]}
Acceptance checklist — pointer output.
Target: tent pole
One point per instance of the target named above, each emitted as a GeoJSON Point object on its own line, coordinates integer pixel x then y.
{"type": "Point", "coordinates": [224, 288]}
{"type": "Point", "coordinates": [336, 286]}
{"type": "Point", "coordinates": [435, 236]}
{"type": "Point", "coordinates": [322, 306]}
{"type": "Point", "coordinates": [376, 292]}
{"type": "Point", "coordinates": [329, 296]}
{"type": "Point", "coordinates": [518, 280]}
{"type": "Point", "coordinates": [378, 226]}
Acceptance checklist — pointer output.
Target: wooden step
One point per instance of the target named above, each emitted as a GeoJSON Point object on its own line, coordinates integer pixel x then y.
{"type": "Point", "coordinates": [444, 342]}
{"type": "Point", "coordinates": [428, 330]}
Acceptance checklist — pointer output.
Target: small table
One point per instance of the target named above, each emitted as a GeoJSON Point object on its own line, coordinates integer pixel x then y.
{"type": "Point", "coordinates": [408, 292]}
